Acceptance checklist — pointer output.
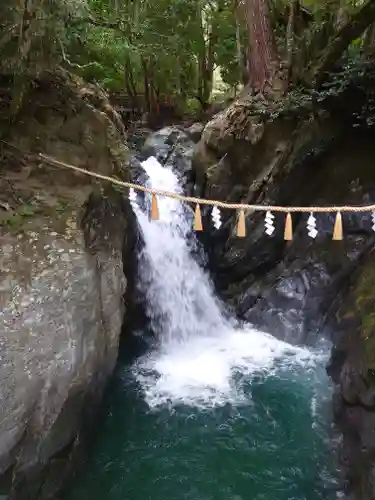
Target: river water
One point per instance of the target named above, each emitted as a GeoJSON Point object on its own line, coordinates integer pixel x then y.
{"type": "Point", "coordinates": [213, 410]}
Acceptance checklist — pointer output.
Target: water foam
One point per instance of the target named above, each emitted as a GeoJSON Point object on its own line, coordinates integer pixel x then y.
{"type": "Point", "coordinates": [203, 357]}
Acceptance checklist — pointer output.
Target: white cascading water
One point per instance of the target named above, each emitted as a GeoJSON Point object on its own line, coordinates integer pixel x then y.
{"type": "Point", "coordinates": [201, 352]}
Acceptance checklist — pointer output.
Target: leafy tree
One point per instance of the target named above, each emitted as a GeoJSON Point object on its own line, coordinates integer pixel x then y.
{"type": "Point", "coordinates": [166, 52]}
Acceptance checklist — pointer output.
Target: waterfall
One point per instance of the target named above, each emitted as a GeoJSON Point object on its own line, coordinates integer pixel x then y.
{"type": "Point", "coordinates": [202, 356]}
{"type": "Point", "coordinates": [180, 299]}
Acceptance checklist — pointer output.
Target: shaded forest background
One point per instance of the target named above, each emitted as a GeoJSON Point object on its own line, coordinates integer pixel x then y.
{"type": "Point", "coordinates": [151, 54]}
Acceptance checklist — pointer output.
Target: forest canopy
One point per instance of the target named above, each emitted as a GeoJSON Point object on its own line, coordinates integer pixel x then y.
{"type": "Point", "coordinates": [154, 51]}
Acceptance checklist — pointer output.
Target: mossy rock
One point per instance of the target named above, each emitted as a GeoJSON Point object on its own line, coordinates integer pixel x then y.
{"type": "Point", "coordinates": [69, 121]}
{"type": "Point", "coordinates": [364, 297]}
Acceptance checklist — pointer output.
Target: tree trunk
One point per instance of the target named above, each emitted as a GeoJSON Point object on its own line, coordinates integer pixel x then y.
{"type": "Point", "coordinates": [239, 48]}
{"type": "Point", "coordinates": [263, 64]}
{"type": "Point", "coordinates": [155, 92]}
{"type": "Point", "coordinates": [146, 85]}
{"type": "Point", "coordinates": [203, 85]}
{"type": "Point", "coordinates": [130, 86]}
{"type": "Point", "coordinates": [208, 75]}
{"type": "Point", "coordinates": [290, 37]}
{"type": "Point", "coordinates": [201, 76]}
{"type": "Point", "coordinates": [369, 41]}
{"type": "Point", "coordinates": [241, 53]}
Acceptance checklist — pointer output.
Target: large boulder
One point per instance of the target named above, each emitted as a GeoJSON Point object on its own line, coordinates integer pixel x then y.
{"type": "Point", "coordinates": [172, 147]}
{"type": "Point", "coordinates": [195, 131]}
{"type": "Point", "coordinates": [65, 272]}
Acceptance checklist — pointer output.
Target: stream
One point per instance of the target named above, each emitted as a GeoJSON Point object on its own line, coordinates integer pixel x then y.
{"type": "Point", "coordinates": [212, 410]}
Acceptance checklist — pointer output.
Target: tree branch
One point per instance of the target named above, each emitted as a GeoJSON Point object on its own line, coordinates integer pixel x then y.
{"type": "Point", "coordinates": [96, 22]}
{"type": "Point", "coordinates": [339, 42]}
{"type": "Point", "coordinates": [70, 63]}
{"type": "Point", "coordinates": [119, 25]}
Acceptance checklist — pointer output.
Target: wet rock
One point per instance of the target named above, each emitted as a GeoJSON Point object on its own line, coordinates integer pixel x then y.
{"type": "Point", "coordinates": [171, 146]}
{"type": "Point", "coordinates": [195, 131]}
{"type": "Point", "coordinates": [137, 138]}
{"type": "Point", "coordinates": [286, 288]}
{"type": "Point", "coordinates": [137, 172]}
{"type": "Point", "coordinates": [353, 369]}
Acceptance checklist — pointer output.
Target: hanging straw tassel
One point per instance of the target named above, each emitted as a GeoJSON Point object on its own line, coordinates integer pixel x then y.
{"type": "Point", "coordinates": [337, 230]}
{"type": "Point", "coordinates": [241, 227]}
{"type": "Point", "coordinates": [198, 219]}
{"type": "Point", "coordinates": [154, 208]}
{"type": "Point", "coordinates": [288, 232]}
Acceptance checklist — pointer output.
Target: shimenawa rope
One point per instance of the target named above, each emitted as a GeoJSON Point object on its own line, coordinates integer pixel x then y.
{"type": "Point", "coordinates": [203, 201]}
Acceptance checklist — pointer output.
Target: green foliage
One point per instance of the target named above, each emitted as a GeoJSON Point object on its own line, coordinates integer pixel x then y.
{"type": "Point", "coordinates": [151, 50]}
{"type": "Point", "coordinates": [120, 43]}
{"type": "Point", "coordinates": [16, 219]}
{"type": "Point", "coordinates": [33, 33]}
{"type": "Point", "coordinates": [226, 51]}
{"type": "Point", "coordinates": [165, 39]}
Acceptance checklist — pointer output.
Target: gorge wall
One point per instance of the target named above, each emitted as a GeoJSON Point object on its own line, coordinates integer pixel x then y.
{"type": "Point", "coordinates": [67, 264]}
{"type": "Point", "coordinates": [297, 290]}
{"type": "Point", "coordinates": [66, 270]}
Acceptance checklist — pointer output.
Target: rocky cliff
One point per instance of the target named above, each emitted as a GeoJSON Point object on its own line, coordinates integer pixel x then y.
{"type": "Point", "coordinates": [352, 368]}
{"type": "Point", "coordinates": [271, 153]}
{"type": "Point", "coordinates": [65, 271]}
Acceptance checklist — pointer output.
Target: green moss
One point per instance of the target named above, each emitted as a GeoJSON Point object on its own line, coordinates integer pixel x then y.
{"type": "Point", "coordinates": [211, 171]}
{"type": "Point", "coordinates": [17, 218]}
{"type": "Point", "coordinates": [16, 221]}
{"type": "Point", "coordinates": [364, 294]}
{"type": "Point", "coordinates": [368, 325]}
{"type": "Point", "coordinates": [63, 206]}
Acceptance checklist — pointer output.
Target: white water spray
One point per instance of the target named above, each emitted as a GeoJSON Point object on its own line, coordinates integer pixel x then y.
{"type": "Point", "coordinates": [200, 351]}
{"type": "Point", "coordinates": [180, 300]}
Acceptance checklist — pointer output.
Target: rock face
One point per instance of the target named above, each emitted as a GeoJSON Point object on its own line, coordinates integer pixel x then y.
{"type": "Point", "coordinates": [295, 289]}
{"type": "Point", "coordinates": [173, 147]}
{"type": "Point", "coordinates": [285, 288]}
{"type": "Point", "coordinates": [352, 368]}
{"type": "Point", "coordinates": [195, 131]}
{"type": "Point", "coordinates": [65, 269]}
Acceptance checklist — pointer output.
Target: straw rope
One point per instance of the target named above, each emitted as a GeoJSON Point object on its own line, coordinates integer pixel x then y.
{"type": "Point", "coordinates": [203, 201]}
